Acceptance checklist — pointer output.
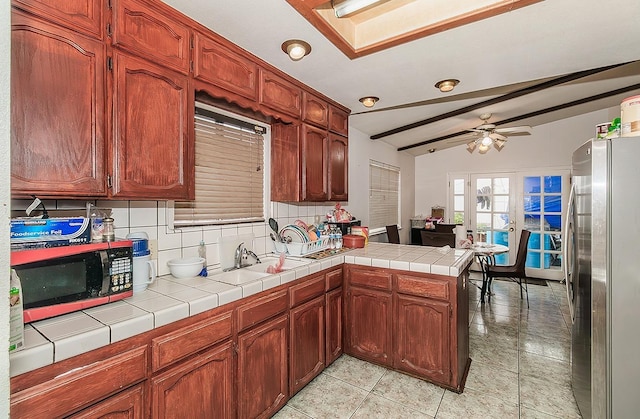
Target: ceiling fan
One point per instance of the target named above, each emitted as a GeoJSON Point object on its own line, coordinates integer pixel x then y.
{"type": "Point", "coordinates": [489, 135]}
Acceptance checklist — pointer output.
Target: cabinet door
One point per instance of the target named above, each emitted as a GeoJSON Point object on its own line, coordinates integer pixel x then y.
{"type": "Point", "coordinates": [307, 344]}
{"type": "Point", "coordinates": [199, 388]}
{"type": "Point", "coordinates": [423, 338]}
{"type": "Point", "coordinates": [80, 15]}
{"type": "Point", "coordinates": [315, 110]}
{"type": "Point", "coordinates": [314, 164]}
{"type": "Point", "coordinates": [128, 404]}
{"type": "Point", "coordinates": [146, 32]}
{"type": "Point", "coordinates": [285, 162]}
{"type": "Point", "coordinates": [57, 110]}
{"type": "Point", "coordinates": [338, 168]}
{"type": "Point", "coordinates": [220, 66]}
{"type": "Point", "coordinates": [279, 94]}
{"type": "Point", "coordinates": [153, 151]}
{"type": "Point", "coordinates": [338, 121]}
{"type": "Point", "coordinates": [262, 369]}
{"type": "Point", "coordinates": [333, 335]}
{"type": "Point", "coordinates": [369, 323]}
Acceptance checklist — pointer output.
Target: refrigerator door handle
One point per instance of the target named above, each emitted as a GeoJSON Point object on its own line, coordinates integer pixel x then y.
{"type": "Point", "coordinates": [566, 238]}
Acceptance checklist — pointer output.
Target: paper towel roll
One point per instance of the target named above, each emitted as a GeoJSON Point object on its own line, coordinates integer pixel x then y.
{"type": "Point", "coordinates": [461, 236]}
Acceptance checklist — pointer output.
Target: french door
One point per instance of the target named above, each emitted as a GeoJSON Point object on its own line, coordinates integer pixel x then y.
{"type": "Point", "coordinates": [498, 206]}
{"type": "Point", "coordinates": [492, 212]}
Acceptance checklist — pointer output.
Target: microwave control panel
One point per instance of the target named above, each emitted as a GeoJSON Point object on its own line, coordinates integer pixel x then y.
{"type": "Point", "coordinates": [120, 270]}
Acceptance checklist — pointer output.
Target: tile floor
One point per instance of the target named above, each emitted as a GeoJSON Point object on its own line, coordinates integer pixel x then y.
{"type": "Point", "coordinates": [520, 369]}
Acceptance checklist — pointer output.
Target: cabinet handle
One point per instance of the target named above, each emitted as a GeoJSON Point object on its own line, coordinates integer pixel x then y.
{"type": "Point", "coordinates": [109, 182]}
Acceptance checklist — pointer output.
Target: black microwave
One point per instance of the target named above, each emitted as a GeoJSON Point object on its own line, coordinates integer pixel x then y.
{"type": "Point", "coordinates": [61, 280]}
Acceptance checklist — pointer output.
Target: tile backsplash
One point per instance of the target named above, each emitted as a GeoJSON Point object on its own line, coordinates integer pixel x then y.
{"type": "Point", "coordinates": [151, 217]}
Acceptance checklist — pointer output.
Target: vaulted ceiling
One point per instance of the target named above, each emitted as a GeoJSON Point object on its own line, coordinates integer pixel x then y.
{"type": "Point", "coordinates": [525, 65]}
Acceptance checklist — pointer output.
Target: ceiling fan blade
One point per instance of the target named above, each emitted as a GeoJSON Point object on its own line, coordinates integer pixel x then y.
{"type": "Point", "coordinates": [522, 129]}
{"type": "Point", "coordinates": [497, 136]}
{"type": "Point", "coordinates": [477, 130]}
{"type": "Point", "coordinates": [486, 126]}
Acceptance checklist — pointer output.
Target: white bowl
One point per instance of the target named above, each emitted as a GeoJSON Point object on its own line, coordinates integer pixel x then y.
{"type": "Point", "coordinates": [185, 267]}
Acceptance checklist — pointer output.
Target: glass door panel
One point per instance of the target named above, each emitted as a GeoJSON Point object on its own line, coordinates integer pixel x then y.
{"type": "Point", "coordinates": [493, 216]}
{"type": "Point", "coordinates": [543, 201]}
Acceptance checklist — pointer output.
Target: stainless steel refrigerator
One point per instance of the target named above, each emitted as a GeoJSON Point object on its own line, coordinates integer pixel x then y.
{"type": "Point", "coordinates": [602, 271]}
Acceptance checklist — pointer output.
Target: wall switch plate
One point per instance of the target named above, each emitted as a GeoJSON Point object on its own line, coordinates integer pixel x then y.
{"type": "Point", "coordinates": [153, 248]}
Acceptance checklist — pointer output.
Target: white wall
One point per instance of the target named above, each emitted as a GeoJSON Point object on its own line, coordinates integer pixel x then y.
{"type": "Point", "coordinates": [361, 150]}
{"type": "Point", "coordinates": [550, 145]}
{"type": "Point", "coordinates": [5, 195]}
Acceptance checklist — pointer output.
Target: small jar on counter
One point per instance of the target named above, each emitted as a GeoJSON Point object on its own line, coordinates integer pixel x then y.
{"type": "Point", "coordinates": [108, 230]}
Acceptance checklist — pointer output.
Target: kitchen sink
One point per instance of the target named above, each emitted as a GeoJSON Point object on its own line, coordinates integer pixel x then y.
{"type": "Point", "coordinates": [272, 260]}
{"type": "Point", "coordinates": [239, 276]}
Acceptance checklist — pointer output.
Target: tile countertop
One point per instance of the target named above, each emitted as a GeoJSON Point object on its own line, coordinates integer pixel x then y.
{"type": "Point", "coordinates": [170, 299]}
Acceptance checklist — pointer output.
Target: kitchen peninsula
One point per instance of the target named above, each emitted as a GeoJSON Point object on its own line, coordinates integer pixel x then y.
{"type": "Point", "coordinates": [252, 346]}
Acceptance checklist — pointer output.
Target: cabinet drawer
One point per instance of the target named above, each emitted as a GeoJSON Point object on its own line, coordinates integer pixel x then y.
{"type": "Point", "coordinates": [312, 287]}
{"type": "Point", "coordinates": [262, 309]}
{"type": "Point", "coordinates": [81, 386]}
{"type": "Point", "coordinates": [423, 287]}
{"type": "Point", "coordinates": [183, 342]}
{"type": "Point", "coordinates": [334, 279]}
{"type": "Point", "coordinates": [370, 279]}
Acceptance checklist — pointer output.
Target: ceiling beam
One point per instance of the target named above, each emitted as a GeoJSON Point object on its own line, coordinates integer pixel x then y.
{"type": "Point", "coordinates": [531, 114]}
{"type": "Point", "coordinates": [512, 95]}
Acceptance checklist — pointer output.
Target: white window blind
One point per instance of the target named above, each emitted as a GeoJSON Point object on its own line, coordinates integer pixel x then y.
{"type": "Point", "coordinates": [229, 174]}
{"type": "Point", "coordinates": [384, 195]}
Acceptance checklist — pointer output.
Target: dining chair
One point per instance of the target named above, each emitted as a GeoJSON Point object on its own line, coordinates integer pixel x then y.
{"type": "Point", "coordinates": [438, 239]}
{"type": "Point", "coordinates": [515, 272]}
{"type": "Point", "coordinates": [444, 228]}
{"type": "Point", "coordinates": [392, 234]}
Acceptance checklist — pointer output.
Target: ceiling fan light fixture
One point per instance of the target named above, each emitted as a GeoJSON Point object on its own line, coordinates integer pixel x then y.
{"type": "Point", "coordinates": [471, 146]}
{"type": "Point", "coordinates": [486, 140]}
{"type": "Point", "coordinates": [296, 49]}
{"type": "Point", "coordinates": [483, 149]}
{"type": "Point", "coordinates": [369, 101]}
{"type": "Point", "coordinates": [499, 144]}
{"type": "Point", "coordinates": [447, 85]}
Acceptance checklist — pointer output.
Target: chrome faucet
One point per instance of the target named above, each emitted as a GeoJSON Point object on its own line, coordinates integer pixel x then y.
{"type": "Point", "coordinates": [242, 253]}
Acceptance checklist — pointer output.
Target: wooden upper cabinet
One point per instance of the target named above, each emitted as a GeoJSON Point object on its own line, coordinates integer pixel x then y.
{"type": "Point", "coordinates": [83, 16]}
{"type": "Point", "coordinates": [314, 153]}
{"type": "Point", "coordinates": [57, 110]}
{"type": "Point", "coordinates": [223, 67]}
{"type": "Point", "coordinates": [153, 147]}
{"type": "Point", "coordinates": [148, 33]}
{"type": "Point", "coordinates": [338, 121]}
{"type": "Point", "coordinates": [279, 94]}
{"type": "Point", "coordinates": [315, 110]}
{"type": "Point", "coordinates": [338, 168]}
{"type": "Point", "coordinates": [285, 162]}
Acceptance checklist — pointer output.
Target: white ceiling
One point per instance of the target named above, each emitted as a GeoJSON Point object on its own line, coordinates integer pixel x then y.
{"type": "Point", "coordinates": [491, 57]}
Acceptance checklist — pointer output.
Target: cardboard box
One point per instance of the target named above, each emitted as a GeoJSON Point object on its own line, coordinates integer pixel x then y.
{"type": "Point", "coordinates": [33, 233]}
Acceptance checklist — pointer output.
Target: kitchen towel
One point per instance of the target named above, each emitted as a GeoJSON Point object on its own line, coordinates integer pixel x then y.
{"type": "Point", "coordinates": [461, 237]}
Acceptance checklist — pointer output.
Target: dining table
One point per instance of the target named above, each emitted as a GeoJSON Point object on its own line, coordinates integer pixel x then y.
{"type": "Point", "coordinates": [485, 254]}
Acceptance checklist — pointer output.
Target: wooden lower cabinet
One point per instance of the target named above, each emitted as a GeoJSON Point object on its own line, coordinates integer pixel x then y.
{"type": "Point", "coordinates": [369, 331]}
{"type": "Point", "coordinates": [198, 388]}
{"type": "Point", "coordinates": [306, 343]}
{"type": "Point", "coordinates": [128, 404]}
{"type": "Point", "coordinates": [333, 334]}
{"type": "Point", "coordinates": [262, 369]}
{"type": "Point", "coordinates": [417, 323]}
{"type": "Point", "coordinates": [423, 338]}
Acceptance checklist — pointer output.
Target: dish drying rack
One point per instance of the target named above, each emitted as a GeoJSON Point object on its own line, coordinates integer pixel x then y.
{"type": "Point", "coordinates": [302, 249]}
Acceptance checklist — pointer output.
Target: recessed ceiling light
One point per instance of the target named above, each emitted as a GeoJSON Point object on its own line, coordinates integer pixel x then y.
{"type": "Point", "coordinates": [447, 85]}
{"type": "Point", "coordinates": [296, 49]}
{"type": "Point", "coordinates": [369, 101]}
